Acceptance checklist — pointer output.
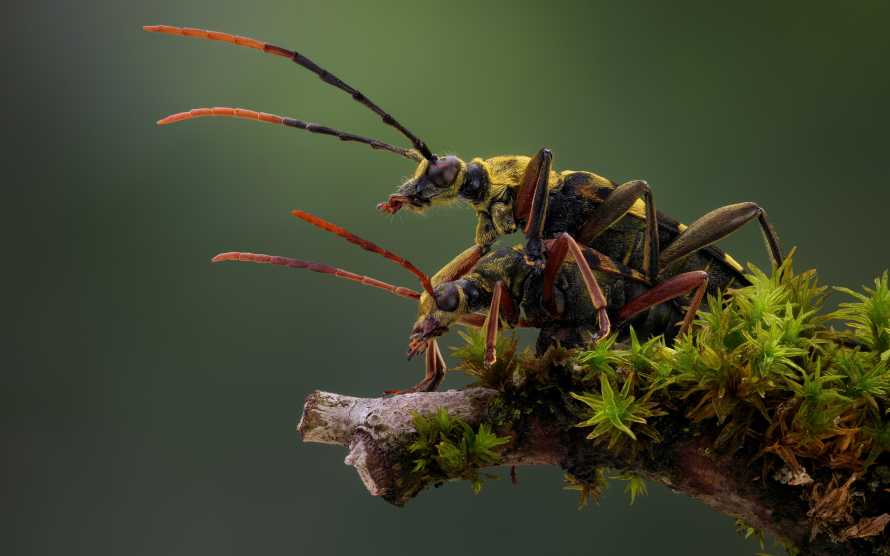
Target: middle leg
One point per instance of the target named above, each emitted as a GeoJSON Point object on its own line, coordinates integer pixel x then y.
{"type": "Point", "coordinates": [614, 207]}
{"type": "Point", "coordinates": [556, 254]}
{"type": "Point", "coordinates": [532, 202]}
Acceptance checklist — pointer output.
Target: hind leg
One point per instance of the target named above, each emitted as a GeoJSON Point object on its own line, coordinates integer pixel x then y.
{"type": "Point", "coordinates": [672, 288]}
{"type": "Point", "coordinates": [715, 226]}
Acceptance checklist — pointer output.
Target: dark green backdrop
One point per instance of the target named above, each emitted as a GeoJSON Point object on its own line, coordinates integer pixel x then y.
{"type": "Point", "coordinates": [150, 398]}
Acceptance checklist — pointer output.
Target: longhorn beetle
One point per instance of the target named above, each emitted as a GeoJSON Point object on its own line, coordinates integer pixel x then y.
{"type": "Point", "coordinates": [619, 220]}
{"type": "Point", "coordinates": [573, 301]}
{"type": "Point", "coordinates": [555, 210]}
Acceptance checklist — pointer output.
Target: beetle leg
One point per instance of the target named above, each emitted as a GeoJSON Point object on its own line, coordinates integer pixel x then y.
{"type": "Point", "coordinates": [435, 371]}
{"type": "Point", "coordinates": [458, 266]}
{"type": "Point", "coordinates": [534, 188]}
{"type": "Point", "coordinates": [556, 254]}
{"type": "Point", "coordinates": [486, 233]}
{"type": "Point", "coordinates": [614, 207]}
{"type": "Point", "coordinates": [525, 193]}
{"type": "Point", "coordinates": [672, 288]}
{"type": "Point", "coordinates": [491, 324]}
{"type": "Point", "coordinates": [715, 226]}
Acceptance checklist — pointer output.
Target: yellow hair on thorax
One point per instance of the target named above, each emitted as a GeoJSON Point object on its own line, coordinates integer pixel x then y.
{"type": "Point", "coordinates": [505, 172]}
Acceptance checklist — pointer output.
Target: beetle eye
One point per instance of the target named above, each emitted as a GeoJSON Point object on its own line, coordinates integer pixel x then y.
{"type": "Point", "coordinates": [443, 172]}
{"type": "Point", "coordinates": [447, 297]}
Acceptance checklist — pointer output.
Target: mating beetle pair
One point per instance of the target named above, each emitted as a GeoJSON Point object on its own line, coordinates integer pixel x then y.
{"type": "Point", "coordinates": [592, 260]}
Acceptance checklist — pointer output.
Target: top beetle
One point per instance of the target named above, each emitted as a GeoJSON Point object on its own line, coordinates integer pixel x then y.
{"type": "Point", "coordinates": [506, 191]}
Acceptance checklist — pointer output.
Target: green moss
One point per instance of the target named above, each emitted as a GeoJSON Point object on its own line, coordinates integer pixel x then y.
{"type": "Point", "coordinates": [471, 357]}
{"type": "Point", "coordinates": [748, 531]}
{"type": "Point", "coordinates": [765, 371]}
{"type": "Point", "coordinates": [447, 448]}
{"type": "Point", "coordinates": [615, 415]}
{"type": "Point", "coordinates": [588, 491]}
{"type": "Point", "coordinates": [869, 315]}
{"type": "Point", "coordinates": [635, 485]}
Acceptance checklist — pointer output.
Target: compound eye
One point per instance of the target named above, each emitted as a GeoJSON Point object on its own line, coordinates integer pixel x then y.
{"type": "Point", "coordinates": [447, 297]}
{"type": "Point", "coordinates": [474, 295]}
{"type": "Point", "coordinates": [443, 171]}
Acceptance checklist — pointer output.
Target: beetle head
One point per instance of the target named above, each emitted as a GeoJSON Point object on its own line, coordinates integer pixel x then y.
{"type": "Point", "coordinates": [436, 314]}
{"type": "Point", "coordinates": [435, 182]}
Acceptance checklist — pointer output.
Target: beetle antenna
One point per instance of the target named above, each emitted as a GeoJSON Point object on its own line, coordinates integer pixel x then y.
{"type": "Point", "coordinates": [366, 245]}
{"type": "Point", "coordinates": [221, 111]}
{"type": "Point", "coordinates": [315, 267]}
{"type": "Point", "coordinates": [303, 61]}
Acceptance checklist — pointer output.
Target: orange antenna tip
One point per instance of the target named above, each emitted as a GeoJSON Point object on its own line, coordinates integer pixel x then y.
{"type": "Point", "coordinates": [222, 111]}
{"type": "Point", "coordinates": [173, 118]}
{"type": "Point", "coordinates": [215, 36]}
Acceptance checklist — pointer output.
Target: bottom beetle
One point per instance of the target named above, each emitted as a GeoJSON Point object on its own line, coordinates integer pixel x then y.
{"type": "Point", "coordinates": [574, 296]}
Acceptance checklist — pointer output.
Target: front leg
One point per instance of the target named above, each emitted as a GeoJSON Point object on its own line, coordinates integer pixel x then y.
{"type": "Point", "coordinates": [539, 175]}
{"type": "Point", "coordinates": [492, 322]}
{"type": "Point", "coordinates": [502, 218]}
{"type": "Point", "coordinates": [615, 206]}
{"type": "Point", "coordinates": [486, 233]}
{"type": "Point", "coordinates": [435, 372]}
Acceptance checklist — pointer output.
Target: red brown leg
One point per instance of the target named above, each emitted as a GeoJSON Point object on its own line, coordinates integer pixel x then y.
{"type": "Point", "coordinates": [672, 288]}
{"type": "Point", "coordinates": [525, 194]}
{"type": "Point", "coordinates": [491, 324]}
{"type": "Point", "coordinates": [435, 371]}
{"type": "Point", "coordinates": [536, 179]}
{"type": "Point", "coordinates": [556, 254]}
{"type": "Point", "coordinates": [616, 205]}
{"type": "Point", "coordinates": [458, 266]}
{"type": "Point", "coordinates": [715, 226]}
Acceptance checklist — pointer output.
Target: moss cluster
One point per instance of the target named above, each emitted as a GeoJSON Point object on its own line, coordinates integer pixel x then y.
{"type": "Point", "coordinates": [766, 372]}
{"type": "Point", "coordinates": [762, 363]}
{"type": "Point", "coordinates": [447, 448]}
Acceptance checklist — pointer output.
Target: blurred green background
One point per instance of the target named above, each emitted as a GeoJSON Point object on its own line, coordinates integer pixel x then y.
{"type": "Point", "coordinates": [150, 398]}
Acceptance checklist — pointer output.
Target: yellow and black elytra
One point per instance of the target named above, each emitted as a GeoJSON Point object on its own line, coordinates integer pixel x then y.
{"type": "Point", "coordinates": [576, 296]}
{"type": "Point", "coordinates": [516, 192]}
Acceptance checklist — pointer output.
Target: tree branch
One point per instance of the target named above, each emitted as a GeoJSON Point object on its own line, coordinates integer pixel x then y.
{"type": "Point", "coordinates": [378, 432]}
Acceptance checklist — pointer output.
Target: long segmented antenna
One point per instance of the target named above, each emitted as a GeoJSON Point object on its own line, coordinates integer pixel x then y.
{"type": "Point", "coordinates": [366, 245]}
{"type": "Point", "coordinates": [303, 61]}
{"type": "Point", "coordinates": [222, 111]}
{"type": "Point", "coordinates": [315, 267]}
